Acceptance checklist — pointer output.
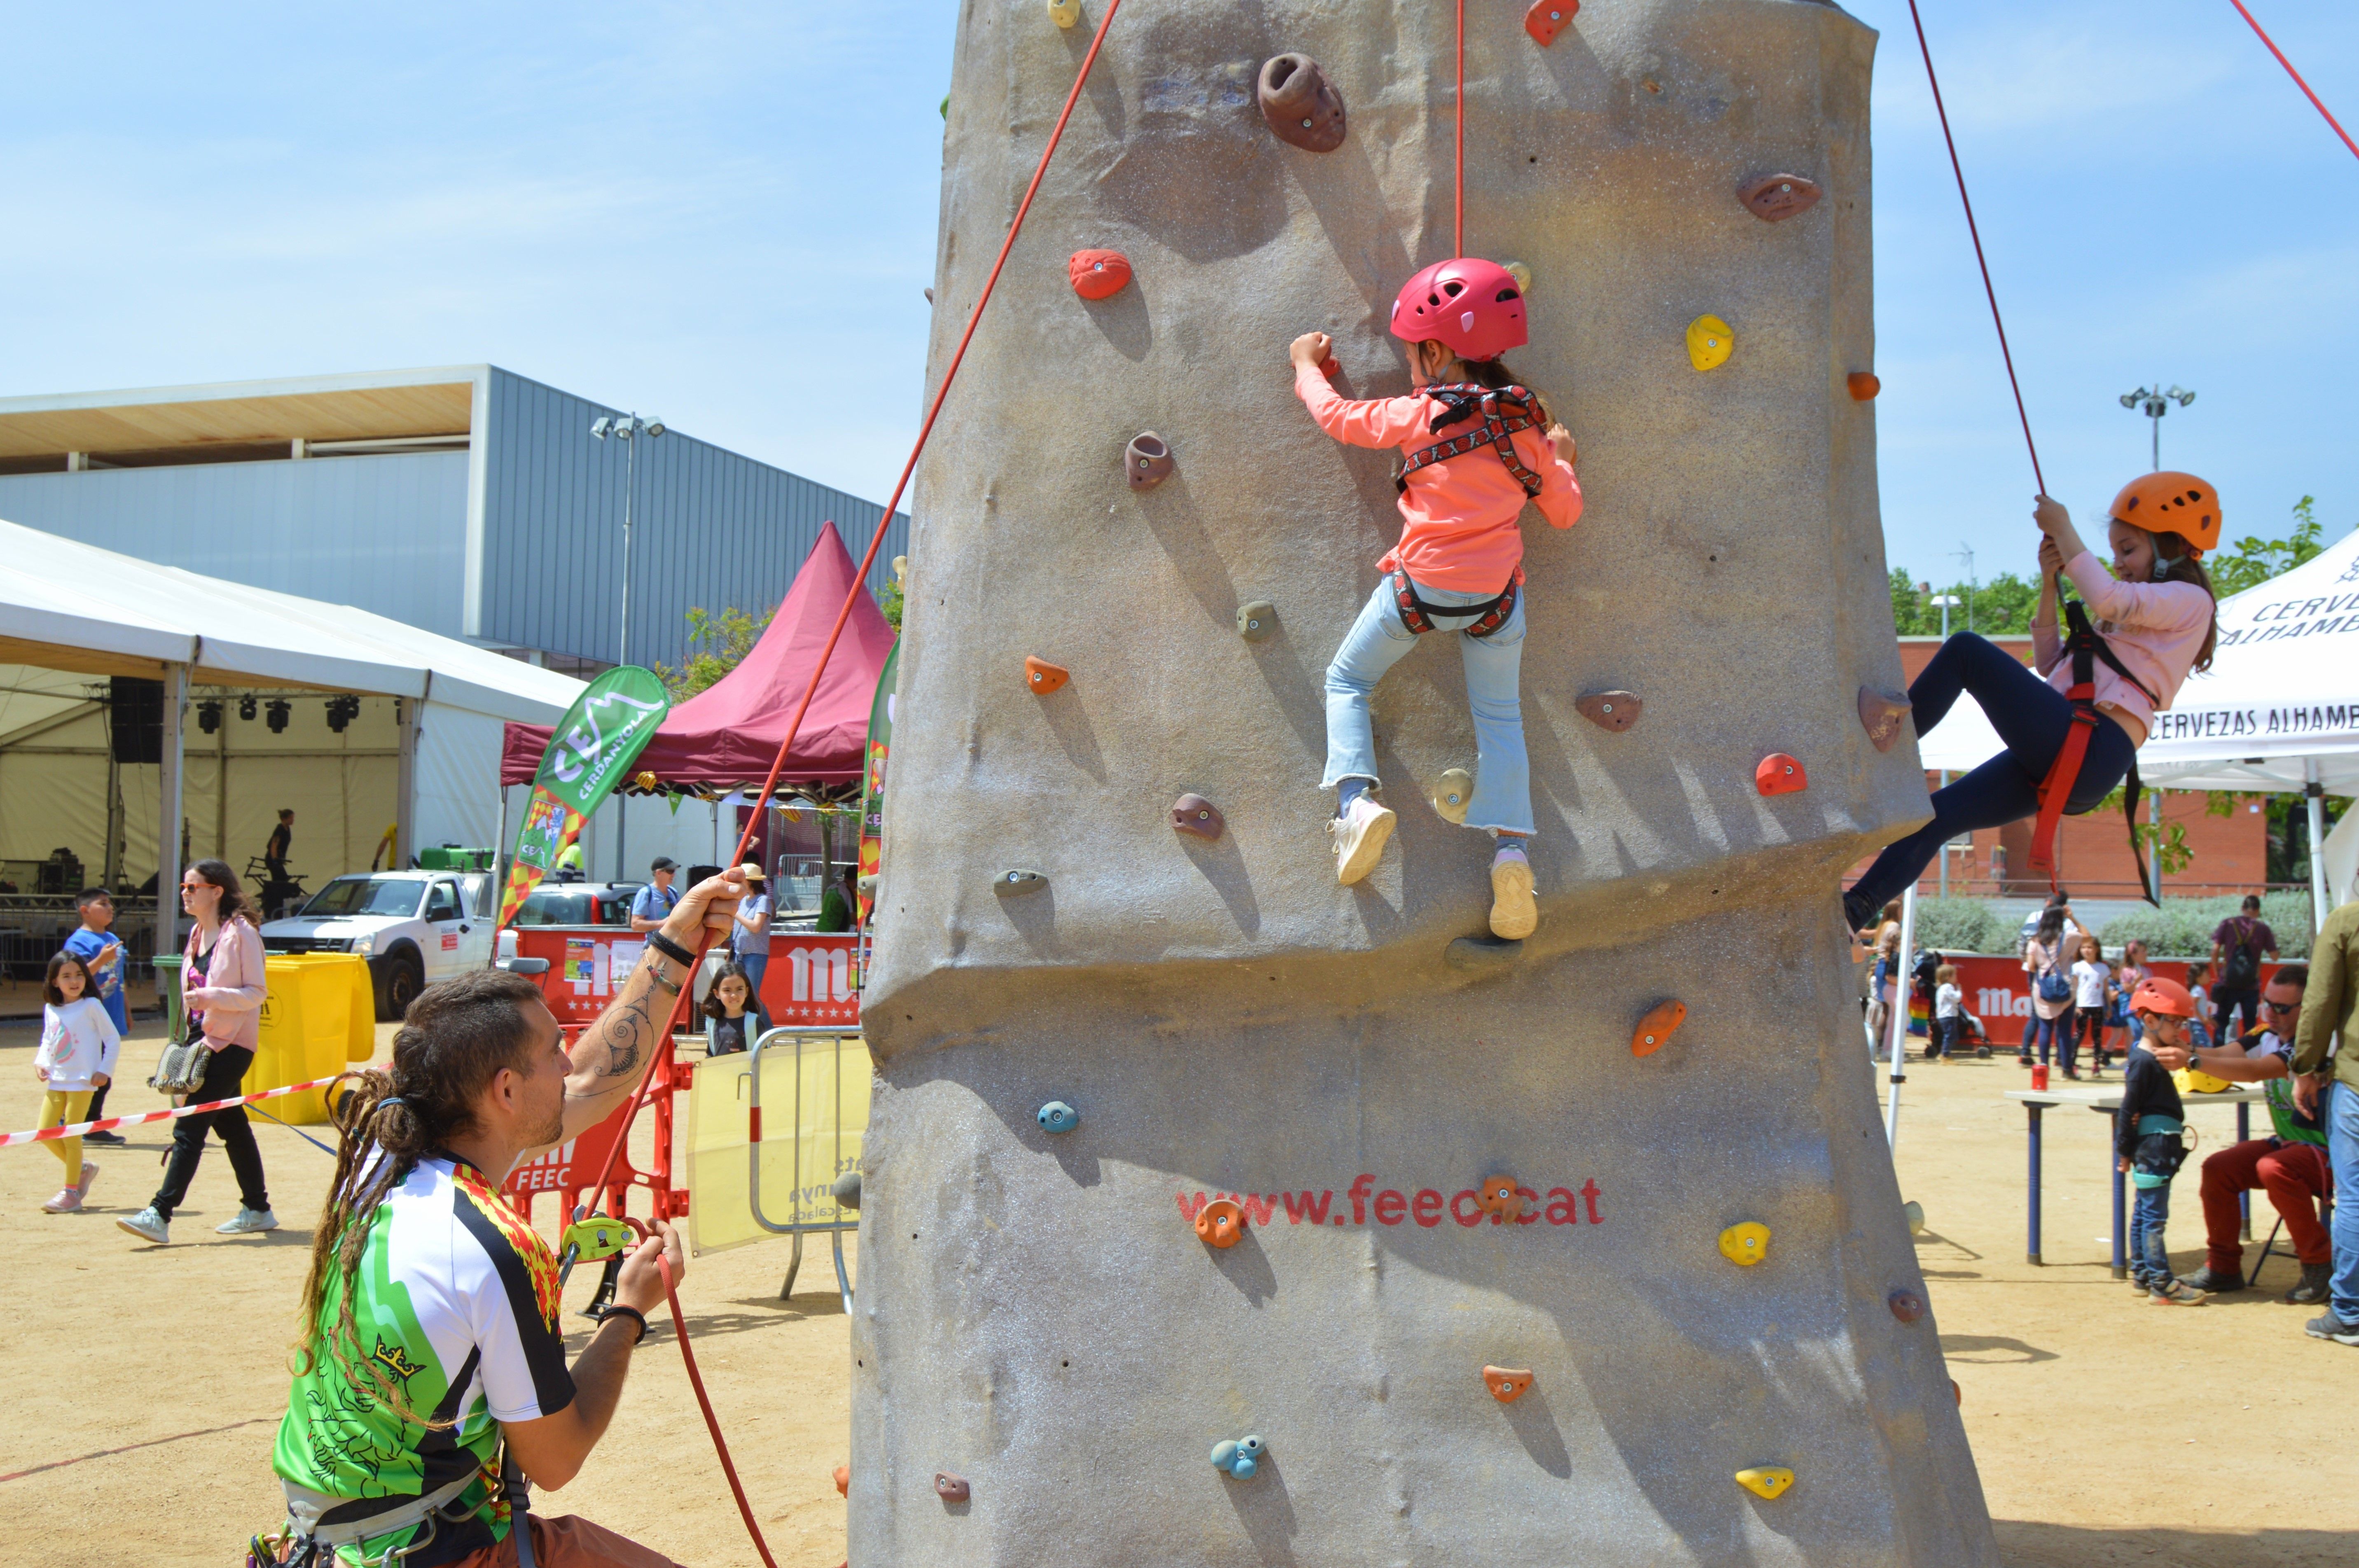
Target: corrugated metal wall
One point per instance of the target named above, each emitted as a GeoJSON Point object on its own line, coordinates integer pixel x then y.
{"type": "Point", "coordinates": [387, 534]}
{"type": "Point", "coordinates": [710, 528]}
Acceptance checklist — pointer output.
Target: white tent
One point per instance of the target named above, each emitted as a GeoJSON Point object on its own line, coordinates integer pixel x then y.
{"type": "Point", "coordinates": [70, 606]}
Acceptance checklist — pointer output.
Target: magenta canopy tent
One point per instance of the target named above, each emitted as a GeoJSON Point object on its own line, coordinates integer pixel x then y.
{"type": "Point", "coordinates": [726, 736]}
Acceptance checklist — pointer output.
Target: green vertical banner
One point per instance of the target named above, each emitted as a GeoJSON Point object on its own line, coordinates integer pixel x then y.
{"type": "Point", "coordinates": [588, 755]}
{"type": "Point", "coordinates": [872, 802]}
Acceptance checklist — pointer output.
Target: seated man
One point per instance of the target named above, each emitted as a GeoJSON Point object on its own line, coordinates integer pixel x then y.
{"type": "Point", "coordinates": [2290, 1166]}
{"type": "Point", "coordinates": [432, 1305]}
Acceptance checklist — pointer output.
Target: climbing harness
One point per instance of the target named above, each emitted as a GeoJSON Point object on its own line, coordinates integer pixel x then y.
{"type": "Point", "coordinates": [2086, 646]}
{"type": "Point", "coordinates": [1504, 410]}
{"type": "Point", "coordinates": [1417, 616]}
{"type": "Point", "coordinates": [311, 1538]}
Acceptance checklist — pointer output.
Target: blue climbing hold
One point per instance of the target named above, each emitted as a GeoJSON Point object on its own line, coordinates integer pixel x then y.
{"type": "Point", "coordinates": [1240, 1458]}
{"type": "Point", "coordinates": [1224, 1455]}
{"type": "Point", "coordinates": [1059, 1117]}
{"type": "Point", "coordinates": [1243, 1468]}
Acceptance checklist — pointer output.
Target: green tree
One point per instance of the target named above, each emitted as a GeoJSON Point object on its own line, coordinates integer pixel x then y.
{"type": "Point", "coordinates": [716, 645]}
{"type": "Point", "coordinates": [2253, 560]}
{"type": "Point", "coordinates": [2000, 607]}
{"type": "Point", "coordinates": [890, 602]}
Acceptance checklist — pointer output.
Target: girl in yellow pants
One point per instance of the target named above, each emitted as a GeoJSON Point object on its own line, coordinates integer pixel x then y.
{"type": "Point", "coordinates": [79, 1045]}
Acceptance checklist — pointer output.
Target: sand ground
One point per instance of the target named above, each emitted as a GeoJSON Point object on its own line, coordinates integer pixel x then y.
{"type": "Point", "coordinates": [145, 1383]}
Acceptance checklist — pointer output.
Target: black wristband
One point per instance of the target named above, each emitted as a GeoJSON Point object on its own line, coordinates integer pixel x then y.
{"type": "Point", "coordinates": [671, 950]}
{"type": "Point", "coordinates": [617, 1310]}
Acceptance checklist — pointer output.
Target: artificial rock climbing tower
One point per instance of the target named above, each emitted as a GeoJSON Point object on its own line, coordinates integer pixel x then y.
{"type": "Point", "coordinates": [1586, 1252]}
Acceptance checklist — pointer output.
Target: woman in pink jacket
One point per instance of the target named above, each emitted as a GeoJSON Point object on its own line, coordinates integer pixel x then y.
{"type": "Point", "coordinates": [2156, 615]}
{"type": "Point", "coordinates": [222, 992]}
{"type": "Point", "coordinates": [1476, 447]}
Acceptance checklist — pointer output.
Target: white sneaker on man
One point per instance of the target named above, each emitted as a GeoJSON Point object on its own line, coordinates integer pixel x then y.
{"type": "Point", "coordinates": [1360, 834]}
{"type": "Point", "coordinates": [248, 1223]}
{"type": "Point", "coordinates": [148, 1225]}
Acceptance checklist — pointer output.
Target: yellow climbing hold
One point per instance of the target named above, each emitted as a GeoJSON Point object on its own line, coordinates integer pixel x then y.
{"type": "Point", "coordinates": [1766, 1480]}
{"type": "Point", "coordinates": [1914, 1212]}
{"type": "Point", "coordinates": [1452, 793]}
{"type": "Point", "coordinates": [1520, 273]}
{"type": "Point", "coordinates": [1710, 342]}
{"type": "Point", "coordinates": [1746, 1244]}
{"type": "Point", "coordinates": [1064, 13]}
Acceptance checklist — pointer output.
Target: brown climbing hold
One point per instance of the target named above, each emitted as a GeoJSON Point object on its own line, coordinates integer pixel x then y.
{"type": "Point", "coordinates": [1864, 385]}
{"type": "Point", "coordinates": [1880, 713]}
{"type": "Point", "coordinates": [1256, 620]}
{"type": "Point", "coordinates": [949, 1487]}
{"type": "Point", "coordinates": [1507, 1383]}
{"type": "Point", "coordinates": [1195, 814]}
{"type": "Point", "coordinates": [1497, 1198]}
{"type": "Point", "coordinates": [1043, 677]}
{"type": "Point", "coordinates": [1300, 104]}
{"type": "Point", "coordinates": [1098, 274]}
{"type": "Point", "coordinates": [1220, 1223]}
{"type": "Point", "coordinates": [1547, 18]}
{"type": "Point", "coordinates": [1773, 198]}
{"type": "Point", "coordinates": [843, 1480]}
{"type": "Point", "coordinates": [1907, 1305]}
{"type": "Point", "coordinates": [1655, 1030]}
{"type": "Point", "coordinates": [1147, 461]}
{"type": "Point", "coordinates": [1616, 711]}
{"type": "Point", "coordinates": [1781, 775]}
{"type": "Point", "coordinates": [1957, 1395]}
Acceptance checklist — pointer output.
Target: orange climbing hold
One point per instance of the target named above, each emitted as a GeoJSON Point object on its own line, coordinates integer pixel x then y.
{"type": "Point", "coordinates": [1498, 1199]}
{"type": "Point", "coordinates": [1864, 385]}
{"type": "Point", "coordinates": [1507, 1383]}
{"type": "Point", "coordinates": [1547, 18]}
{"type": "Point", "coordinates": [1655, 1030]}
{"type": "Point", "coordinates": [1781, 775]}
{"type": "Point", "coordinates": [1220, 1223]}
{"type": "Point", "coordinates": [1099, 274]}
{"type": "Point", "coordinates": [1043, 677]}
{"type": "Point", "coordinates": [843, 1480]}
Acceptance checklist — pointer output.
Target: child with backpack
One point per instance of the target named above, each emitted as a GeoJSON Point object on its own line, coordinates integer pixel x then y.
{"type": "Point", "coordinates": [2150, 1142]}
{"type": "Point", "coordinates": [736, 1011]}
{"type": "Point", "coordinates": [1476, 447]}
{"type": "Point", "coordinates": [76, 1056]}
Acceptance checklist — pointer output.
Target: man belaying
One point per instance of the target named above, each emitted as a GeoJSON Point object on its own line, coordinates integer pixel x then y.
{"type": "Point", "coordinates": [2074, 735]}
{"type": "Point", "coordinates": [1473, 454]}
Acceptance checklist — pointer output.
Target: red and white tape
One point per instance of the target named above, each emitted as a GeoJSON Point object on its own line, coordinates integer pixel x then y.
{"type": "Point", "coordinates": [107, 1124]}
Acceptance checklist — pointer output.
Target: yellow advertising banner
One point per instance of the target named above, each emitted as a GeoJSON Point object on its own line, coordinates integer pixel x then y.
{"type": "Point", "coordinates": [814, 1105]}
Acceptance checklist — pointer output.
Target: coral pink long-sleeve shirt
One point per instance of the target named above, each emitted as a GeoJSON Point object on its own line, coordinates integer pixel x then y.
{"type": "Point", "coordinates": [1460, 532]}
{"type": "Point", "coordinates": [2155, 630]}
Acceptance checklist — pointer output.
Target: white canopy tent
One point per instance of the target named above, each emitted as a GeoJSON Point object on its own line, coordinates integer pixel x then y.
{"type": "Point", "coordinates": [65, 606]}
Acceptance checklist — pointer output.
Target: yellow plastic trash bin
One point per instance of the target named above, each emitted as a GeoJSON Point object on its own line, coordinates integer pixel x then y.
{"type": "Point", "coordinates": [309, 1029]}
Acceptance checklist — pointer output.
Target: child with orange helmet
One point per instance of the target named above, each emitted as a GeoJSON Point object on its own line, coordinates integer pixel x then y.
{"type": "Point", "coordinates": [2154, 622]}
{"type": "Point", "coordinates": [1476, 447]}
{"type": "Point", "coordinates": [2148, 1137]}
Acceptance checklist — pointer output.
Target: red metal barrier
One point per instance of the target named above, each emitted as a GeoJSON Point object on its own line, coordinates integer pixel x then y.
{"type": "Point", "coordinates": [812, 978]}
{"type": "Point", "coordinates": [1998, 989]}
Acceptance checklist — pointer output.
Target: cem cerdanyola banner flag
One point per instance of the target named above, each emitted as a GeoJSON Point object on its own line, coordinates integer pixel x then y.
{"type": "Point", "coordinates": [588, 755]}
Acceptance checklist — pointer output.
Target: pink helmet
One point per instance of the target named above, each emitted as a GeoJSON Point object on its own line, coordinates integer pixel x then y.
{"type": "Point", "coordinates": [1469, 304]}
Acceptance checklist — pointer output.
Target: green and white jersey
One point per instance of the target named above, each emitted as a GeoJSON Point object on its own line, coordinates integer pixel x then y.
{"type": "Point", "coordinates": [457, 1303]}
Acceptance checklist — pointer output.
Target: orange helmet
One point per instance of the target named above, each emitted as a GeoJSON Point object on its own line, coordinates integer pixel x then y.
{"type": "Point", "coordinates": [2168, 998]}
{"type": "Point", "coordinates": [2171, 502]}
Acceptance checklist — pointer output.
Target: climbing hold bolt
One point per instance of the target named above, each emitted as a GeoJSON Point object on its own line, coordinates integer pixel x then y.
{"type": "Point", "coordinates": [646, 781]}
{"type": "Point", "coordinates": [1147, 461]}
{"type": "Point", "coordinates": [1497, 1198]}
{"type": "Point", "coordinates": [1547, 18]}
{"type": "Point", "coordinates": [843, 1480]}
{"type": "Point", "coordinates": [949, 1487]}
{"type": "Point", "coordinates": [1256, 620]}
{"type": "Point", "coordinates": [1864, 385]}
{"type": "Point", "coordinates": [1710, 342]}
{"type": "Point", "coordinates": [1914, 1212]}
{"type": "Point", "coordinates": [1300, 104]}
{"type": "Point", "coordinates": [1220, 1223]}
{"type": "Point", "coordinates": [1507, 1383]}
{"type": "Point", "coordinates": [1240, 1458]}
{"type": "Point", "coordinates": [1043, 677]}
{"type": "Point", "coordinates": [1747, 1242]}
{"type": "Point", "coordinates": [1195, 814]}
{"type": "Point", "coordinates": [1012, 883]}
{"type": "Point", "coordinates": [1064, 13]}
{"type": "Point", "coordinates": [1655, 1030]}
{"type": "Point", "coordinates": [1616, 711]}
{"type": "Point", "coordinates": [1057, 1117]}
{"type": "Point", "coordinates": [847, 1191]}
{"type": "Point", "coordinates": [1452, 793]}
{"type": "Point", "coordinates": [1520, 273]}
{"type": "Point", "coordinates": [1880, 713]}
{"type": "Point", "coordinates": [1907, 1305]}
{"type": "Point", "coordinates": [1098, 274]}
{"type": "Point", "coordinates": [1781, 775]}
{"type": "Point", "coordinates": [1773, 198]}
{"type": "Point", "coordinates": [1766, 1480]}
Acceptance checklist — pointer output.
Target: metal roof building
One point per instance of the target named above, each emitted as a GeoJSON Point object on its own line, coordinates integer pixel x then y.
{"type": "Point", "coordinates": [464, 500]}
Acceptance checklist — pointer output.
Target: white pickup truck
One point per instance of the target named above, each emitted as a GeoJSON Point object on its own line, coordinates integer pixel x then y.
{"type": "Point", "coordinates": [414, 927]}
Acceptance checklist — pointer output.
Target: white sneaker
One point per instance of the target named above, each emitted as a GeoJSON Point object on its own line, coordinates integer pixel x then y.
{"type": "Point", "coordinates": [1360, 834]}
{"type": "Point", "coordinates": [1514, 913]}
{"type": "Point", "coordinates": [68, 1200]}
{"type": "Point", "coordinates": [148, 1225]}
{"type": "Point", "coordinates": [247, 1223]}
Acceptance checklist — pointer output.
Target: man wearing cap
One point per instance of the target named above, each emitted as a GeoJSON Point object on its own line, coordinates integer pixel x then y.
{"type": "Point", "coordinates": [2332, 1008]}
{"type": "Point", "coordinates": [749, 941]}
{"type": "Point", "coordinates": [654, 901]}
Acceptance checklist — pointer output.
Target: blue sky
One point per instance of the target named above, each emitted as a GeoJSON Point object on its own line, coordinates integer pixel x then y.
{"type": "Point", "coordinates": [724, 214]}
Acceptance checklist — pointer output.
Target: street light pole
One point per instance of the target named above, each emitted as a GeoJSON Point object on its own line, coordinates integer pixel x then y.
{"type": "Point", "coordinates": [625, 427]}
{"type": "Point", "coordinates": [1946, 601]}
{"type": "Point", "coordinates": [2154, 403]}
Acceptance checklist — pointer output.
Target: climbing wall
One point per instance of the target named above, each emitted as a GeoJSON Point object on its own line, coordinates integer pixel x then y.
{"type": "Point", "coordinates": [1215, 1213]}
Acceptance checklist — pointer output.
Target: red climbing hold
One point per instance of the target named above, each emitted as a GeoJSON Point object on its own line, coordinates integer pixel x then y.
{"type": "Point", "coordinates": [1507, 1383]}
{"type": "Point", "coordinates": [1220, 1223]}
{"type": "Point", "coordinates": [1655, 1030]}
{"type": "Point", "coordinates": [1099, 274]}
{"type": "Point", "coordinates": [1043, 677]}
{"type": "Point", "coordinates": [1547, 18]}
{"type": "Point", "coordinates": [1864, 385]}
{"type": "Point", "coordinates": [949, 1487]}
{"type": "Point", "coordinates": [1773, 198]}
{"type": "Point", "coordinates": [1907, 1305]}
{"type": "Point", "coordinates": [1781, 775]}
{"type": "Point", "coordinates": [1616, 711]}
{"type": "Point", "coordinates": [1880, 714]}
{"type": "Point", "coordinates": [1331, 367]}
{"type": "Point", "coordinates": [1195, 814]}
{"type": "Point", "coordinates": [1147, 461]}
{"type": "Point", "coordinates": [1300, 104]}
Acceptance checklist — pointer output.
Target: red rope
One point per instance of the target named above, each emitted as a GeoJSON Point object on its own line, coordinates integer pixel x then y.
{"type": "Point", "coordinates": [2298, 81]}
{"type": "Point", "coordinates": [711, 1422]}
{"type": "Point", "coordinates": [1458, 240]}
{"type": "Point", "coordinates": [1980, 260]}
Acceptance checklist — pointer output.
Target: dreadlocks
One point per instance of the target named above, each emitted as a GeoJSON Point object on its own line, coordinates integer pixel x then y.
{"type": "Point", "coordinates": [456, 1037]}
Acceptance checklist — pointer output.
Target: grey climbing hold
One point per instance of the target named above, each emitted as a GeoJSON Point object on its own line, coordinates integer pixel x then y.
{"type": "Point", "coordinates": [1452, 794]}
{"type": "Point", "coordinates": [1881, 714]}
{"type": "Point", "coordinates": [1300, 104]}
{"type": "Point", "coordinates": [1013, 883]}
{"type": "Point", "coordinates": [1146, 461]}
{"type": "Point", "coordinates": [1483, 952]}
{"type": "Point", "coordinates": [867, 883]}
{"type": "Point", "coordinates": [1256, 620]}
{"type": "Point", "coordinates": [847, 1190]}
{"type": "Point", "coordinates": [1616, 711]}
{"type": "Point", "coordinates": [1196, 815]}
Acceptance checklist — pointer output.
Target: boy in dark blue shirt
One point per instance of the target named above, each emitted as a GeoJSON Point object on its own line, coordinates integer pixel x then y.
{"type": "Point", "coordinates": [2148, 1141]}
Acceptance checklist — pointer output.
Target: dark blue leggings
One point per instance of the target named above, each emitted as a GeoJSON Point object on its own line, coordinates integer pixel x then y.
{"type": "Point", "coordinates": [2031, 717]}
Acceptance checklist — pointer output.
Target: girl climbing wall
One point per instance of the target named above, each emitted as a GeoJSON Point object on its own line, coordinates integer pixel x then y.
{"type": "Point", "coordinates": [2155, 622]}
{"type": "Point", "coordinates": [1473, 454]}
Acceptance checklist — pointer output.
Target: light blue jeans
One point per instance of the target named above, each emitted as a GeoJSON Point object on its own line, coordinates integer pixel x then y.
{"type": "Point", "coordinates": [2343, 1154]}
{"type": "Point", "coordinates": [1377, 641]}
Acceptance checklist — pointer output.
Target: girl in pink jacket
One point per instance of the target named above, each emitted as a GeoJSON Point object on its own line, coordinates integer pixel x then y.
{"type": "Point", "coordinates": [1475, 448]}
